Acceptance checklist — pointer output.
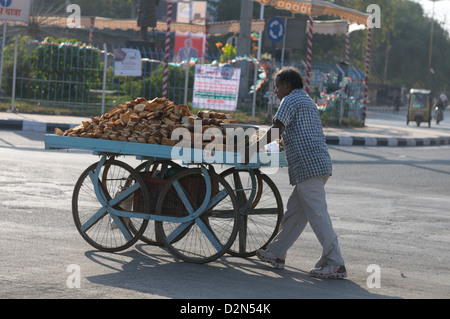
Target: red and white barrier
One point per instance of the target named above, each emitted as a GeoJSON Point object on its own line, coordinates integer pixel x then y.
{"type": "Point", "coordinates": [366, 79]}
{"type": "Point", "coordinates": [309, 55]}
{"type": "Point", "coordinates": [167, 49]}
{"type": "Point", "coordinates": [347, 48]}
{"type": "Point", "coordinates": [91, 33]}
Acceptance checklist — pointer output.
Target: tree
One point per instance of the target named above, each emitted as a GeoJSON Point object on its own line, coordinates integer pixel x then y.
{"type": "Point", "coordinates": [400, 47]}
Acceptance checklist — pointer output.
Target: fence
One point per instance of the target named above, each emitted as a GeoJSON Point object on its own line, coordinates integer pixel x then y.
{"type": "Point", "coordinates": [76, 79]}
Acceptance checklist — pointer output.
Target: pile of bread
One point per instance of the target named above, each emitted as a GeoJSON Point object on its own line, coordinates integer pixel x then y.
{"type": "Point", "coordinates": [145, 121]}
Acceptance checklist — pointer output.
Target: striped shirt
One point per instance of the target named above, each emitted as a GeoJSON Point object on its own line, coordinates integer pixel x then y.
{"type": "Point", "coordinates": [304, 142]}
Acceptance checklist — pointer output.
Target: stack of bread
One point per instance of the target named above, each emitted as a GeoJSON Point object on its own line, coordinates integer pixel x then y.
{"type": "Point", "coordinates": [146, 121]}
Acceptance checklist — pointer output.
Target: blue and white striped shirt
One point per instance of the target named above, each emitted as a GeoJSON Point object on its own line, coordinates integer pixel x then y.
{"type": "Point", "coordinates": [304, 142]}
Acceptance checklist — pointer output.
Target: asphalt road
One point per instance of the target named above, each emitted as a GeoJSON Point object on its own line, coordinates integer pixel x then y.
{"type": "Point", "coordinates": [389, 206]}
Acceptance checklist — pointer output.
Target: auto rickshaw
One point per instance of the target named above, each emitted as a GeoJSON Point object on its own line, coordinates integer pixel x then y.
{"type": "Point", "coordinates": [419, 106]}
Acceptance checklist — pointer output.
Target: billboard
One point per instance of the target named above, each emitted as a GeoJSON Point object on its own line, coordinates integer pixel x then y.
{"type": "Point", "coordinates": [127, 62]}
{"type": "Point", "coordinates": [216, 87]}
{"type": "Point", "coordinates": [188, 46]}
{"type": "Point", "coordinates": [15, 10]}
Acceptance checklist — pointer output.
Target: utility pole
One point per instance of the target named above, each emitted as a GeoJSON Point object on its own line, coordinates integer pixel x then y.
{"type": "Point", "coordinates": [244, 40]}
{"type": "Point", "coordinates": [430, 53]}
{"type": "Point", "coordinates": [243, 44]}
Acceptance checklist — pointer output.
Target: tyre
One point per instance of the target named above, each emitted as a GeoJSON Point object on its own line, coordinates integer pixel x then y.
{"type": "Point", "coordinates": [97, 201]}
{"type": "Point", "coordinates": [259, 219]}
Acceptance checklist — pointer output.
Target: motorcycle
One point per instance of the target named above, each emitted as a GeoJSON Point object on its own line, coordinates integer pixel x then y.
{"type": "Point", "coordinates": [438, 114]}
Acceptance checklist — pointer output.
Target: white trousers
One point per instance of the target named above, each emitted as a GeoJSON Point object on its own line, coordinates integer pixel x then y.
{"type": "Point", "coordinates": [307, 203]}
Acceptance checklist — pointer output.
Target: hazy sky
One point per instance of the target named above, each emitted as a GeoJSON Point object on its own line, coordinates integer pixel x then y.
{"type": "Point", "coordinates": [441, 11]}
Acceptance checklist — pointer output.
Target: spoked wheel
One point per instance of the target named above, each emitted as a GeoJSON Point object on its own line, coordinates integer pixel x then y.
{"type": "Point", "coordinates": [148, 168]}
{"type": "Point", "coordinates": [101, 201]}
{"type": "Point", "coordinates": [261, 210]}
{"type": "Point", "coordinates": [199, 215]}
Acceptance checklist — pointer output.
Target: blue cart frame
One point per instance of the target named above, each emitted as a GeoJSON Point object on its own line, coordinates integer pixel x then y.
{"type": "Point", "coordinates": [173, 231]}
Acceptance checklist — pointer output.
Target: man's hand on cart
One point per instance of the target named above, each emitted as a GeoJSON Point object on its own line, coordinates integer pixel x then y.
{"type": "Point", "coordinates": [271, 135]}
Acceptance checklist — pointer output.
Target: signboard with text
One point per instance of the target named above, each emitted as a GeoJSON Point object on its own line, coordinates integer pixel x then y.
{"type": "Point", "coordinates": [15, 10]}
{"type": "Point", "coordinates": [216, 87]}
{"type": "Point", "coordinates": [127, 62]}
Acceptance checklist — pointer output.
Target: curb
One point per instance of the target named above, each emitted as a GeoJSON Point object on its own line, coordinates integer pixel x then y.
{"type": "Point", "coordinates": [385, 109]}
{"type": "Point", "coordinates": [33, 126]}
{"type": "Point", "coordinates": [383, 141]}
{"type": "Point", "coordinates": [42, 127]}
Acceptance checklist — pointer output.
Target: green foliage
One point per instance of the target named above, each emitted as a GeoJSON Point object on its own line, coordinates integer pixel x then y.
{"type": "Point", "coordinates": [65, 60]}
{"type": "Point", "coordinates": [23, 58]}
{"type": "Point", "coordinates": [228, 53]}
{"type": "Point", "coordinates": [150, 87]}
{"type": "Point", "coordinates": [176, 78]}
{"type": "Point", "coordinates": [400, 48]}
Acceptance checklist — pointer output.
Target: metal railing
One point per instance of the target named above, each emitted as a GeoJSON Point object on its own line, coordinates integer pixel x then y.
{"type": "Point", "coordinates": [72, 78]}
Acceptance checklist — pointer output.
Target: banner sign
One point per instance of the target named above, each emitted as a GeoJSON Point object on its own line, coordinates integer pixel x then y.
{"type": "Point", "coordinates": [15, 10]}
{"type": "Point", "coordinates": [216, 87]}
{"type": "Point", "coordinates": [329, 27]}
{"type": "Point", "coordinates": [127, 62]}
{"type": "Point", "coordinates": [187, 47]}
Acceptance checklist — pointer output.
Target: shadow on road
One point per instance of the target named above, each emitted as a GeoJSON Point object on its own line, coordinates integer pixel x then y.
{"type": "Point", "coordinates": [227, 278]}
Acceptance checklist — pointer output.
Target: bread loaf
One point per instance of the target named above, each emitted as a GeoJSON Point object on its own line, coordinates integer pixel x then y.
{"type": "Point", "coordinates": [152, 122]}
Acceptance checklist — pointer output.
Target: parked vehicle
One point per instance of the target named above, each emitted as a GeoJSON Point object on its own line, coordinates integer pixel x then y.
{"type": "Point", "coordinates": [419, 106]}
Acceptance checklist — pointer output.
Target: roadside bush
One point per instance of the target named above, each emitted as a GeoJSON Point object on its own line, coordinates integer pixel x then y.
{"type": "Point", "coordinates": [65, 69]}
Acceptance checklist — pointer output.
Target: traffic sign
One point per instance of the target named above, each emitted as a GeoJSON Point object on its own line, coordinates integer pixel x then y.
{"type": "Point", "coordinates": [276, 29]}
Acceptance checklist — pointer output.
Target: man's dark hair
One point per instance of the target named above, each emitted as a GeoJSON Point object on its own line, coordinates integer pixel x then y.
{"type": "Point", "coordinates": [291, 75]}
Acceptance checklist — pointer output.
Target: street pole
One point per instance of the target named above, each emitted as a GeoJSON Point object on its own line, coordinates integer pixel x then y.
{"type": "Point", "coordinates": [258, 57]}
{"type": "Point", "coordinates": [186, 76]}
{"type": "Point", "coordinates": [3, 53]}
{"type": "Point", "coordinates": [243, 45]}
{"type": "Point", "coordinates": [105, 71]}
{"type": "Point", "coordinates": [13, 94]}
{"type": "Point", "coordinates": [284, 41]}
{"type": "Point", "coordinates": [431, 47]}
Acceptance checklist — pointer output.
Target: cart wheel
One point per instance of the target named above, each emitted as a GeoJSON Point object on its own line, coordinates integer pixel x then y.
{"type": "Point", "coordinates": [96, 199]}
{"type": "Point", "coordinates": [261, 210]}
{"type": "Point", "coordinates": [199, 215]}
{"type": "Point", "coordinates": [149, 236]}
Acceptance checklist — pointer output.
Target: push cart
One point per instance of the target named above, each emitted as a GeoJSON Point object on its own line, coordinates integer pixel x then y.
{"type": "Point", "coordinates": [195, 212]}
